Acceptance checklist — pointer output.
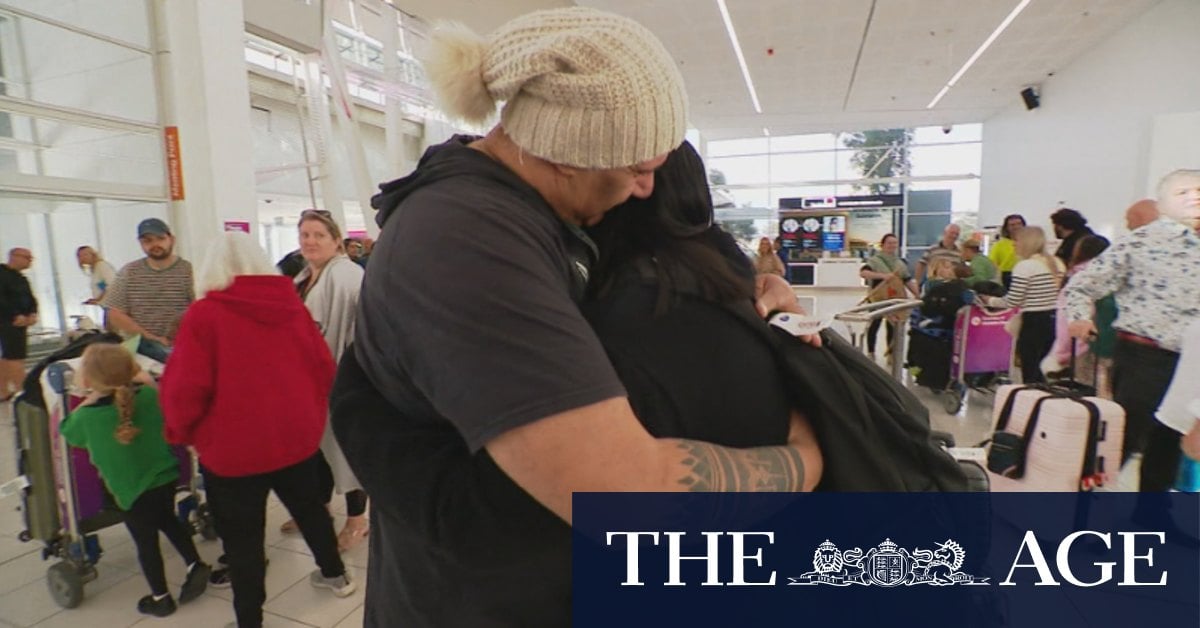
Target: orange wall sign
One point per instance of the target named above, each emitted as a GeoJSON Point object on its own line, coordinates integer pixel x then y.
{"type": "Point", "coordinates": [174, 163]}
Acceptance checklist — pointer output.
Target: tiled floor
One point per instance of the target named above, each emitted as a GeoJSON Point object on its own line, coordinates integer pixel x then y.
{"type": "Point", "coordinates": [109, 601]}
{"type": "Point", "coordinates": [291, 602]}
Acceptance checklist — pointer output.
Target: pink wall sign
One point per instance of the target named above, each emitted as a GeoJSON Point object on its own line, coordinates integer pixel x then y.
{"type": "Point", "coordinates": [237, 225]}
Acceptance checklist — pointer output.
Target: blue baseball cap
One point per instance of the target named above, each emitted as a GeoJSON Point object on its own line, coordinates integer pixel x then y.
{"type": "Point", "coordinates": [153, 226]}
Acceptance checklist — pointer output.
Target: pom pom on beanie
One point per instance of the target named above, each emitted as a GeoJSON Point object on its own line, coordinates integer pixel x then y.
{"type": "Point", "coordinates": [455, 69]}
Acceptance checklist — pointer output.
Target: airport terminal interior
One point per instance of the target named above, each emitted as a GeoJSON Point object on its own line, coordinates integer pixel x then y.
{"type": "Point", "coordinates": [825, 125]}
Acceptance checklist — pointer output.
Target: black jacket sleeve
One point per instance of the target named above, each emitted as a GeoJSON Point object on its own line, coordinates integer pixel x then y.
{"type": "Point", "coordinates": [16, 297]}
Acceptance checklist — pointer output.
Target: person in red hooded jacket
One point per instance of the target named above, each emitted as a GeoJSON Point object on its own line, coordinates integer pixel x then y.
{"type": "Point", "coordinates": [247, 385]}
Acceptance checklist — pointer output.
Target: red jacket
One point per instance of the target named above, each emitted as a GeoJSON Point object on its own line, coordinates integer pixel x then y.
{"type": "Point", "coordinates": [248, 380]}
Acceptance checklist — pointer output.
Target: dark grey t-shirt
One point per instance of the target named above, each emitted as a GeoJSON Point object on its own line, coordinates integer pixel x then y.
{"type": "Point", "coordinates": [468, 311]}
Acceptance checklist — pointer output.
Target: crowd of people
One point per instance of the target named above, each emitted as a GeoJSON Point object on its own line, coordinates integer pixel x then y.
{"type": "Point", "coordinates": [553, 353]}
{"type": "Point", "coordinates": [257, 425]}
{"type": "Point", "coordinates": [1115, 316]}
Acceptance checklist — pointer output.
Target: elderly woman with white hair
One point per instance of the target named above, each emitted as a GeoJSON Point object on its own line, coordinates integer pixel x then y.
{"type": "Point", "coordinates": [247, 386]}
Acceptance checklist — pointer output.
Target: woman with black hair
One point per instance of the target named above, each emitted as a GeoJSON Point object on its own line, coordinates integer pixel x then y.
{"type": "Point", "coordinates": [662, 301]}
{"type": "Point", "coordinates": [1094, 356]}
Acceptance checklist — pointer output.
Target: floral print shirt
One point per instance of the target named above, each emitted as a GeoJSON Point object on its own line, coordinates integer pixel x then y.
{"type": "Point", "coordinates": [1154, 272]}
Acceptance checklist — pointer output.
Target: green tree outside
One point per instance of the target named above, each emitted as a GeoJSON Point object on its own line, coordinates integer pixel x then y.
{"type": "Point", "coordinates": [880, 154]}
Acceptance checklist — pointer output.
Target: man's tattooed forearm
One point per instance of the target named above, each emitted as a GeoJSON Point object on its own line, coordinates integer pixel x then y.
{"type": "Point", "coordinates": [722, 469]}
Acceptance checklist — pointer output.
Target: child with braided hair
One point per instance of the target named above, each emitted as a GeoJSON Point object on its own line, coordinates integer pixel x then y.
{"type": "Point", "coordinates": [121, 426]}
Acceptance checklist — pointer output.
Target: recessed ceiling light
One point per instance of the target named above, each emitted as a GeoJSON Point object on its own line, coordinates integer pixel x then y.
{"type": "Point", "coordinates": [737, 49]}
{"type": "Point", "coordinates": [978, 53]}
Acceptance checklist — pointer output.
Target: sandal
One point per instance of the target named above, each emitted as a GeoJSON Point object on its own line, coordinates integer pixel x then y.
{"type": "Point", "coordinates": [353, 533]}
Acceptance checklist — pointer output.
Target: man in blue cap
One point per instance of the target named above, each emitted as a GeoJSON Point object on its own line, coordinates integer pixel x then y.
{"type": "Point", "coordinates": [150, 295]}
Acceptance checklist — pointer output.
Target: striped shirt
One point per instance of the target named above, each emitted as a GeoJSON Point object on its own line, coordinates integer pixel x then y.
{"type": "Point", "coordinates": [941, 251]}
{"type": "Point", "coordinates": [1034, 286]}
{"type": "Point", "coordinates": [154, 299]}
{"type": "Point", "coordinates": [1154, 272]}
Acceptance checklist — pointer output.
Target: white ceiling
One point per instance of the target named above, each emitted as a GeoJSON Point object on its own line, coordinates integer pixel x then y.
{"type": "Point", "coordinates": [817, 81]}
{"type": "Point", "coordinates": [839, 65]}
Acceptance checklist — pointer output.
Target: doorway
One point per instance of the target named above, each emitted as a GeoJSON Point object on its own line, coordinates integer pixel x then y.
{"type": "Point", "coordinates": [53, 227]}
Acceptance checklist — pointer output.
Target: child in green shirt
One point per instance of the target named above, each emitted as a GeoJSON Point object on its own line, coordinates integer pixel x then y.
{"type": "Point", "coordinates": [121, 426]}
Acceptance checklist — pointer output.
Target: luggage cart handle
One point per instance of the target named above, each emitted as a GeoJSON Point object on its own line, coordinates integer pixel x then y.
{"type": "Point", "coordinates": [871, 311]}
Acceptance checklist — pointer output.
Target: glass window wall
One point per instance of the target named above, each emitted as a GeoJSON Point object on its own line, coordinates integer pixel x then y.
{"type": "Point", "coordinates": [757, 172]}
{"type": "Point", "coordinates": [78, 111]}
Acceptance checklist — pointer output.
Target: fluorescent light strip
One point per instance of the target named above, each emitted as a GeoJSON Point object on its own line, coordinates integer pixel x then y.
{"type": "Point", "coordinates": [737, 49]}
{"type": "Point", "coordinates": [766, 132]}
{"type": "Point", "coordinates": [978, 53]}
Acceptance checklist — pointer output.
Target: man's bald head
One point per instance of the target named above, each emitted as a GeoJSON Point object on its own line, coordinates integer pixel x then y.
{"type": "Point", "coordinates": [19, 258]}
{"type": "Point", "coordinates": [1141, 213]}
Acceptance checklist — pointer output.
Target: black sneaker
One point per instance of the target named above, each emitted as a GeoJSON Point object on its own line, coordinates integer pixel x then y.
{"type": "Point", "coordinates": [159, 608]}
{"type": "Point", "coordinates": [196, 582]}
{"type": "Point", "coordinates": [219, 578]}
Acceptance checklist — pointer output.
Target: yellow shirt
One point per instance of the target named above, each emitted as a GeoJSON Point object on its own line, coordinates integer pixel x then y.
{"type": "Point", "coordinates": [1004, 255]}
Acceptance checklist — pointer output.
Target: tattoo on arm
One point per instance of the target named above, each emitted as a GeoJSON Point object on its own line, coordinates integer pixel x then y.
{"type": "Point", "coordinates": [711, 468]}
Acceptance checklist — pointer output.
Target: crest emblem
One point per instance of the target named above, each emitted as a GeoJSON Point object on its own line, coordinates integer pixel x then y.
{"type": "Point", "coordinates": [888, 565]}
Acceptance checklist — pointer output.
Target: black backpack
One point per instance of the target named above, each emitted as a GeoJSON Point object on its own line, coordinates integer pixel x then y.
{"type": "Point", "coordinates": [945, 299]}
{"type": "Point", "coordinates": [874, 433]}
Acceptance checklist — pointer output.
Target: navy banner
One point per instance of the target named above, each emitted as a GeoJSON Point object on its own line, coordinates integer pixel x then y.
{"type": "Point", "coordinates": [1024, 560]}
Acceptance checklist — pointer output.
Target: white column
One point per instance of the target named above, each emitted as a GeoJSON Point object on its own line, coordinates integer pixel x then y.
{"type": "Point", "coordinates": [205, 92]}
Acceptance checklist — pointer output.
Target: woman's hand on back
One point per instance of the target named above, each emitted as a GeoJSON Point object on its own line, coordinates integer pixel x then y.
{"type": "Point", "coordinates": [772, 294]}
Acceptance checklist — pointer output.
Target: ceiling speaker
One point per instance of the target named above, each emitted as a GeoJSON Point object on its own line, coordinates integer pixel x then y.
{"type": "Point", "coordinates": [1030, 96]}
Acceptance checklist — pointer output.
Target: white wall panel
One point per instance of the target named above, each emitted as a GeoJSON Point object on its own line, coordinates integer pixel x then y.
{"type": "Point", "coordinates": [1089, 144]}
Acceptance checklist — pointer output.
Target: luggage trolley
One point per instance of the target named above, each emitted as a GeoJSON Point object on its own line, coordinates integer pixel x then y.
{"type": "Point", "coordinates": [971, 351]}
{"type": "Point", "coordinates": [858, 320]}
{"type": "Point", "coordinates": [64, 499]}
{"type": "Point", "coordinates": [982, 352]}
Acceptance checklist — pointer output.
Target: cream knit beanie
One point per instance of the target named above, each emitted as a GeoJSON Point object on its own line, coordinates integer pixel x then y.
{"type": "Point", "coordinates": [581, 87]}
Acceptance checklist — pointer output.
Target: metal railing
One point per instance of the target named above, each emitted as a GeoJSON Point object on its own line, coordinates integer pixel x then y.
{"type": "Point", "coordinates": [859, 319]}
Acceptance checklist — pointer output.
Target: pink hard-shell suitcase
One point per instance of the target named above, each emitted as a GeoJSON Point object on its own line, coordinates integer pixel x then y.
{"type": "Point", "coordinates": [1062, 441]}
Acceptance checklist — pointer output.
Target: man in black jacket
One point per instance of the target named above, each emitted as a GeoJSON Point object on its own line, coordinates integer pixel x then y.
{"type": "Point", "coordinates": [18, 312]}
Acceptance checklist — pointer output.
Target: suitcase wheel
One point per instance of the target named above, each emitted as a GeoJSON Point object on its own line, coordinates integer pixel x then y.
{"type": "Point", "coordinates": [66, 584]}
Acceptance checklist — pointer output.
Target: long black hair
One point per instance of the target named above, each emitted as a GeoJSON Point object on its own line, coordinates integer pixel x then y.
{"type": "Point", "coordinates": [673, 232]}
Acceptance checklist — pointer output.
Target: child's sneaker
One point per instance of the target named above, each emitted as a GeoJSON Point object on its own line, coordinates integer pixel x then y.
{"type": "Point", "coordinates": [341, 586]}
{"type": "Point", "coordinates": [196, 582]}
{"type": "Point", "coordinates": [159, 608]}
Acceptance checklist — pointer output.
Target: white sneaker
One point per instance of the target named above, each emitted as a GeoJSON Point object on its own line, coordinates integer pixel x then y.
{"type": "Point", "coordinates": [342, 586]}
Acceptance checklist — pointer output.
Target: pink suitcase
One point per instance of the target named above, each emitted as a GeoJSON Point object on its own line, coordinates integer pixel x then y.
{"type": "Point", "coordinates": [1070, 442]}
{"type": "Point", "coordinates": [981, 344]}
